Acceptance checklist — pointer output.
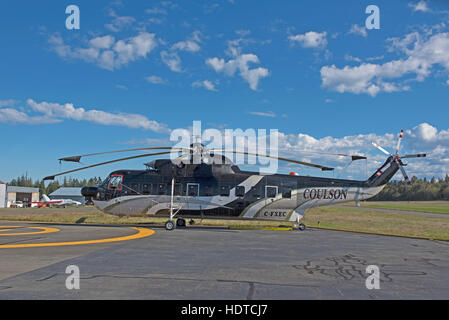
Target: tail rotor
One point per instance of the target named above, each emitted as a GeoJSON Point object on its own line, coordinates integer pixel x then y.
{"type": "Point", "coordinates": [396, 158]}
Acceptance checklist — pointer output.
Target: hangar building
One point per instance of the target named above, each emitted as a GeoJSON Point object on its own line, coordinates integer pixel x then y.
{"type": "Point", "coordinates": [68, 193]}
{"type": "Point", "coordinates": [24, 194]}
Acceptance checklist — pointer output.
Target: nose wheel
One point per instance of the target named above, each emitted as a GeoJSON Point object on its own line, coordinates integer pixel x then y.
{"type": "Point", "coordinates": [169, 225]}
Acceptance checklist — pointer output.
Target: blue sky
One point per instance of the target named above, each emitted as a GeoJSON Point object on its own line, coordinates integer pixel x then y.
{"type": "Point", "coordinates": [139, 69]}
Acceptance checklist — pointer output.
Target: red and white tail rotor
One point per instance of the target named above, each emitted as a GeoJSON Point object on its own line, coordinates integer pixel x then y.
{"type": "Point", "coordinates": [397, 158]}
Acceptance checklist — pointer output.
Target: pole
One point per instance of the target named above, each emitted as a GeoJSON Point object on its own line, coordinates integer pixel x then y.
{"type": "Point", "coordinates": [171, 200]}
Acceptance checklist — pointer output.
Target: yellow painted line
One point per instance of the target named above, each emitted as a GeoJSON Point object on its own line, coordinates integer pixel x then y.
{"type": "Point", "coordinates": [44, 230]}
{"type": "Point", "coordinates": [277, 228]}
{"type": "Point", "coordinates": [141, 233]}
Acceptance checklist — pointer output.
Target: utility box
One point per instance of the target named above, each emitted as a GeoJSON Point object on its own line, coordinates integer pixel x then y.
{"type": "Point", "coordinates": [2, 195]}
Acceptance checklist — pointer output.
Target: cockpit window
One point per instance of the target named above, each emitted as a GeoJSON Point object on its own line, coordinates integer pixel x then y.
{"type": "Point", "coordinates": [115, 183]}
{"type": "Point", "coordinates": [151, 166]}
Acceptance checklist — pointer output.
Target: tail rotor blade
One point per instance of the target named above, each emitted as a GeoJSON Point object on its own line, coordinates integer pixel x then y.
{"type": "Point", "coordinates": [399, 141]}
{"type": "Point", "coordinates": [403, 173]}
{"type": "Point", "coordinates": [381, 149]}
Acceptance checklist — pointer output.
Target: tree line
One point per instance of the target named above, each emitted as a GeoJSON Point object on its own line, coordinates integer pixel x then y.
{"type": "Point", "coordinates": [25, 181]}
{"type": "Point", "coordinates": [418, 190]}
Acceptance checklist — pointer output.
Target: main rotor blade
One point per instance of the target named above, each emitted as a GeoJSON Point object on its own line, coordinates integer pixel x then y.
{"type": "Point", "coordinates": [399, 141]}
{"type": "Point", "coordinates": [353, 157]}
{"type": "Point", "coordinates": [279, 158]}
{"type": "Point", "coordinates": [107, 162]}
{"type": "Point", "coordinates": [420, 155]}
{"type": "Point", "coordinates": [78, 158]}
{"type": "Point", "coordinates": [403, 172]}
{"type": "Point", "coordinates": [381, 149]}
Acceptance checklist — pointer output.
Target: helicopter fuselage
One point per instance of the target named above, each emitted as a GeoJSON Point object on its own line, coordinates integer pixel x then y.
{"type": "Point", "coordinates": [224, 191]}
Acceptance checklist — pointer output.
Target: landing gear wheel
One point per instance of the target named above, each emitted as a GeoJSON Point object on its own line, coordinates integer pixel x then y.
{"type": "Point", "coordinates": [169, 225]}
{"type": "Point", "coordinates": [180, 223]}
{"type": "Point", "coordinates": [302, 227]}
{"type": "Point", "coordinates": [192, 222]}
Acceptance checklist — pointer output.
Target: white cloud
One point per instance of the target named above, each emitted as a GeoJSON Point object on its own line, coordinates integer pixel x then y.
{"type": "Point", "coordinates": [156, 10]}
{"type": "Point", "coordinates": [358, 30]}
{"type": "Point", "coordinates": [419, 6]}
{"type": "Point", "coordinates": [106, 52]}
{"type": "Point", "coordinates": [105, 42]}
{"type": "Point", "coordinates": [155, 20]}
{"type": "Point", "coordinates": [370, 78]}
{"type": "Point", "coordinates": [8, 103]}
{"type": "Point", "coordinates": [121, 87]}
{"type": "Point", "coordinates": [310, 39]}
{"type": "Point", "coordinates": [118, 22]}
{"type": "Point", "coordinates": [239, 63]}
{"type": "Point", "coordinates": [421, 138]}
{"type": "Point", "coordinates": [188, 45]}
{"type": "Point", "coordinates": [155, 80]}
{"type": "Point", "coordinates": [269, 114]}
{"type": "Point", "coordinates": [55, 112]}
{"type": "Point", "coordinates": [13, 116]}
{"type": "Point", "coordinates": [172, 60]}
{"type": "Point", "coordinates": [351, 58]}
{"type": "Point", "coordinates": [206, 84]}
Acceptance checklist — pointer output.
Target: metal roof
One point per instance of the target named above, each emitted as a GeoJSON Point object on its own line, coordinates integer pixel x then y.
{"type": "Point", "coordinates": [21, 189]}
{"type": "Point", "coordinates": [67, 192]}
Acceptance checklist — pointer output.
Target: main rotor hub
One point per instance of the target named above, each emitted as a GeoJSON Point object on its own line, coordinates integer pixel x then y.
{"type": "Point", "coordinates": [199, 149]}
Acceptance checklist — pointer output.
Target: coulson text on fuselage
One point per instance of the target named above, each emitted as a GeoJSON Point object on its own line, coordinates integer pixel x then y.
{"type": "Point", "coordinates": [325, 194]}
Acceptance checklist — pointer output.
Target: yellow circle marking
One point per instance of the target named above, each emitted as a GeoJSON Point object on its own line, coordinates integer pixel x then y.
{"type": "Point", "coordinates": [9, 228]}
{"type": "Point", "coordinates": [141, 233]}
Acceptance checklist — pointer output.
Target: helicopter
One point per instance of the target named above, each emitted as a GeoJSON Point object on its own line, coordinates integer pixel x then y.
{"type": "Point", "coordinates": [214, 187]}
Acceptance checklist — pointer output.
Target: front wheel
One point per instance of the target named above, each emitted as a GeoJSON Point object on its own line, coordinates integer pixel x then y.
{"type": "Point", "coordinates": [302, 227]}
{"type": "Point", "coordinates": [169, 225]}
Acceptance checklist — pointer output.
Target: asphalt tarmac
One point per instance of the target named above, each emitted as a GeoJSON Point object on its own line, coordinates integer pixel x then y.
{"type": "Point", "coordinates": [117, 262]}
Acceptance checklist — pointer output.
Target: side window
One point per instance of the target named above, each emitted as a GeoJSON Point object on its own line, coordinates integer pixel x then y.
{"type": "Point", "coordinates": [161, 189]}
{"type": "Point", "coordinates": [224, 191]}
{"type": "Point", "coordinates": [240, 191]}
{"type": "Point", "coordinates": [116, 182]}
{"type": "Point", "coordinates": [146, 189]}
{"type": "Point", "coordinates": [287, 193]}
{"type": "Point", "coordinates": [177, 190]}
{"type": "Point", "coordinates": [193, 189]}
{"type": "Point", "coordinates": [271, 191]}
